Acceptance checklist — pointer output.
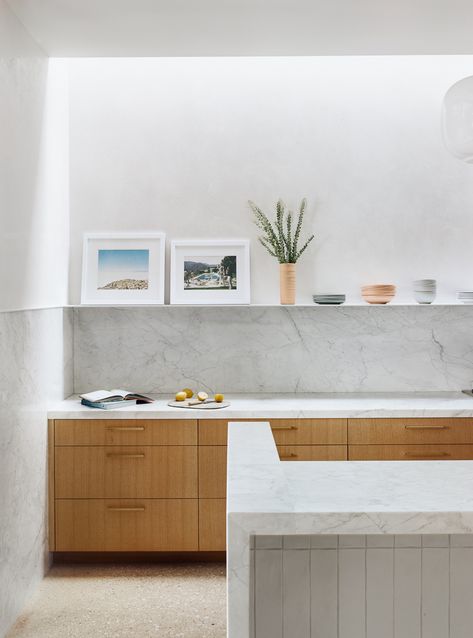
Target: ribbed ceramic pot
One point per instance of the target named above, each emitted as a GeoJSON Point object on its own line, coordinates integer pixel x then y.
{"type": "Point", "coordinates": [287, 283]}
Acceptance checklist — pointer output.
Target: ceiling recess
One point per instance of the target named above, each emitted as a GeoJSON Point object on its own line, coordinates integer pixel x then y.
{"type": "Point", "coordinates": [93, 28]}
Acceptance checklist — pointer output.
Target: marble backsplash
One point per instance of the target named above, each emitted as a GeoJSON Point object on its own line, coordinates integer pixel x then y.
{"type": "Point", "coordinates": [274, 349]}
{"type": "Point", "coordinates": [35, 368]}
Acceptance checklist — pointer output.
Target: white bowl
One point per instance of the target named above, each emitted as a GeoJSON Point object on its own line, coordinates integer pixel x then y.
{"type": "Point", "coordinates": [424, 297]}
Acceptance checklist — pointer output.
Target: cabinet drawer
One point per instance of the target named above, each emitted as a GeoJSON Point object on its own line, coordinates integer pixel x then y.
{"type": "Point", "coordinates": [400, 431]}
{"type": "Point", "coordinates": [213, 431]}
{"type": "Point", "coordinates": [312, 452]}
{"type": "Point", "coordinates": [126, 432]}
{"type": "Point", "coordinates": [126, 472]}
{"type": "Point", "coordinates": [212, 524]}
{"type": "Point", "coordinates": [126, 525]}
{"type": "Point", "coordinates": [212, 471]}
{"type": "Point", "coordinates": [285, 431]}
{"type": "Point", "coordinates": [309, 431]}
{"type": "Point", "coordinates": [410, 452]}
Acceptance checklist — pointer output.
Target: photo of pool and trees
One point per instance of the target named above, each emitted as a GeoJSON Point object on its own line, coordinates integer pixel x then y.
{"type": "Point", "coordinates": [210, 273]}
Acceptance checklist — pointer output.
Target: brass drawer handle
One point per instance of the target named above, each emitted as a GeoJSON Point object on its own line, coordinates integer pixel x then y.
{"type": "Point", "coordinates": [127, 428]}
{"type": "Point", "coordinates": [426, 427]}
{"type": "Point", "coordinates": [124, 455]}
{"type": "Point", "coordinates": [126, 509]}
{"type": "Point", "coordinates": [427, 455]}
{"type": "Point", "coordinates": [292, 455]}
{"type": "Point", "coordinates": [284, 427]}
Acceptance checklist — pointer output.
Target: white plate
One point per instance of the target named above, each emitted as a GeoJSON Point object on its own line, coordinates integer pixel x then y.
{"type": "Point", "coordinates": [199, 406]}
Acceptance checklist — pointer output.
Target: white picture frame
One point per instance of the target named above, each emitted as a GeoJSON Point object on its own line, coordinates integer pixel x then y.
{"type": "Point", "coordinates": [115, 267]}
{"type": "Point", "coordinates": [213, 276]}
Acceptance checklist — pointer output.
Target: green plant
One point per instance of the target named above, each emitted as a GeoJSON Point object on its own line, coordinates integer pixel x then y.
{"type": "Point", "coordinates": [279, 239]}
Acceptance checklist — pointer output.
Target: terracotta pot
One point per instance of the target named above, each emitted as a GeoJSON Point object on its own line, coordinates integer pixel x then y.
{"type": "Point", "coordinates": [287, 283]}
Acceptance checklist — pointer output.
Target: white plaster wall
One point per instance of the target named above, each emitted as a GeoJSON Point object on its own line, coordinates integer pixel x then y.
{"type": "Point", "coordinates": [34, 198]}
{"type": "Point", "coordinates": [179, 145]}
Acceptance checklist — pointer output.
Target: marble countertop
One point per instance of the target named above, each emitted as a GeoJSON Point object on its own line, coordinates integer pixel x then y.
{"type": "Point", "coordinates": [334, 497]}
{"type": "Point", "coordinates": [273, 406]}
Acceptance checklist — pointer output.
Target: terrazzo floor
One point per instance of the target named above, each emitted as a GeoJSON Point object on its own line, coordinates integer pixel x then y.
{"type": "Point", "coordinates": [130, 601]}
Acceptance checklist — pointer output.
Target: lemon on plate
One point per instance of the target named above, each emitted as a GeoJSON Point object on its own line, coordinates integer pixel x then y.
{"type": "Point", "coordinates": [202, 396]}
{"type": "Point", "coordinates": [181, 396]}
{"type": "Point", "coordinates": [189, 393]}
{"type": "Point", "coordinates": [218, 398]}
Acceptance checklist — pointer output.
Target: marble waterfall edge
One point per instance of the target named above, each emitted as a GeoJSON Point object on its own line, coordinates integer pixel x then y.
{"type": "Point", "coordinates": [35, 369]}
{"type": "Point", "coordinates": [267, 497]}
{"type": "Point", "coordinates": [275, 349]}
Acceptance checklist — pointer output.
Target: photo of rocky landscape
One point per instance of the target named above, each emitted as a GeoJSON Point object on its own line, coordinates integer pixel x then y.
{"type": "Point", "coordinates": [123, 269]}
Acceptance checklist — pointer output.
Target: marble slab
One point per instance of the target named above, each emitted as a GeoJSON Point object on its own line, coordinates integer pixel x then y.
{"type": "Point", "coordinates": [252, 349]}
{"type": "Point", "coordinates": [286, 406]}
{"type": "Point", "coordinates": [35, 368]}
{"type": "Point", "coordinates": [268, 497]}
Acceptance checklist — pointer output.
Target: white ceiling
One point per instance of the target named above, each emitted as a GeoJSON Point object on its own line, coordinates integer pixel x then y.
{"type": "Point", "coordinates": [248, 27]}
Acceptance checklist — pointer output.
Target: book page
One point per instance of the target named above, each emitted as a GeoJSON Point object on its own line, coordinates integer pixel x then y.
{"type": "Point", "coordinates": [98, 395]}
{"type": "Point", "coordinates": [120, 393]}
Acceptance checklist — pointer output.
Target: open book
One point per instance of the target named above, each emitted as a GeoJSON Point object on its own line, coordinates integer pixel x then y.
{"type": "Point", "coordinates": [112, 398]}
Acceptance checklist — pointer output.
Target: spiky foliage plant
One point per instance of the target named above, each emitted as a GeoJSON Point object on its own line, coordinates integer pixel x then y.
{"type": "Point", "coordinates": [279, 238]}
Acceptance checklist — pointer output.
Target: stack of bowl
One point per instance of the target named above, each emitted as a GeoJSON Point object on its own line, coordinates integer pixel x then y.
{"type": "Point", "coordinates": [465, 296]}
{"type": "Point", "coordinates": [329, 299]}
{"type": "Point", "coordinates": [425, 290]}
{"type": "Point", "coordinates": [378, 293]}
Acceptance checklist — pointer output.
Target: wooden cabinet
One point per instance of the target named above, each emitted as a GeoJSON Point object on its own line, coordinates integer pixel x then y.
{"type": "Point", "coordinates": [212, 471]}
{"type": "Point", "coordinates": [410, 439]}
{"type": "Point", "coordinates": [123, 485]}
{"type": "Point", "coordinates": [125, 432]}
{"type": "Point", "coordinates": [99, 525]}
{"type": "Point", "coordinates": [160, 485]}
{"type": "Point", "coordinates": [309, 431]}
{"type": "Point", "coordinates": [312, 452]}
{"type": "Point", "coordinates": [212, 524]}
{"type": "Point", "coordinates": [409, 431]}
{"type": "Point", "coordinates": [126, 471]}
{"type": "Point", "coordinates": [285, 431]}
{"type": "Point", "coordinates": [430, 452]}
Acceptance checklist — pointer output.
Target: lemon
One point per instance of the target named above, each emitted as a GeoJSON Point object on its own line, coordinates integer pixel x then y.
{"type": "Point", "coordinates": [189, 393]}
{"type": "Point", "coordinates": [181, 396]}
{"type": "Point", "coordinates": [218, 398]}
{"type": "Point", "coordinates": [202, 396]}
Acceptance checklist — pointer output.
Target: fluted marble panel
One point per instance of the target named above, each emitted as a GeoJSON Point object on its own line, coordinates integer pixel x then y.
{"type": "Point", "coordinates": [275, 349]}
{"type": "Point", "coordinates": [35, 368]}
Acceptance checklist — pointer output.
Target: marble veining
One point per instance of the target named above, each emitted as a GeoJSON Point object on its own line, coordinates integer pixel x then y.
{"type": "Point", "coordinates": [266, 496]}
{"type": "Point", "coordinates": [275, 349]}
{"type": "Point", "coordinates": [35, 368]}
{"type": "Point", "coordinates": [286, 406]}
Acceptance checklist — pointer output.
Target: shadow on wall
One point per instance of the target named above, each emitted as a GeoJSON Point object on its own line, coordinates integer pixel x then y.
{"type": "Point", "coordinates": [35, 346]}
{"type": "Point", "coordinates": [34, 183]}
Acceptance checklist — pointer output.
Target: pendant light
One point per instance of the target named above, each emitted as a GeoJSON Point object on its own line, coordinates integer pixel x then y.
{"type": "Point", "coordinates": [458, 119]}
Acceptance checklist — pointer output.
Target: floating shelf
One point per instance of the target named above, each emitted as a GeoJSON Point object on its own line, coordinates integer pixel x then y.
{"type": "Point", "coordinates": [360, 304]}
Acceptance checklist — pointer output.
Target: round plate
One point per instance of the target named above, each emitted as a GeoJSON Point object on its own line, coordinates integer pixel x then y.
{"type": "Point", "coordinates": [199, 406]}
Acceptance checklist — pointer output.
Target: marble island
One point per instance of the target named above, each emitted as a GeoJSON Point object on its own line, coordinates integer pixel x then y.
{"type": "Point", "coordinates": [298, 500]}
{"type": "Point", "coordinates": [257, 406]}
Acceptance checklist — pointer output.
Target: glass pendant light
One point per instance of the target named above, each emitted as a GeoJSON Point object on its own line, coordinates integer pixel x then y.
{"type": "Point", "coordinates": [458, 119]}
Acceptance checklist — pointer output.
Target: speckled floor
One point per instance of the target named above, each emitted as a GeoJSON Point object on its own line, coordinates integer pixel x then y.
{"type": "Point", "coordinates": [134, 601]}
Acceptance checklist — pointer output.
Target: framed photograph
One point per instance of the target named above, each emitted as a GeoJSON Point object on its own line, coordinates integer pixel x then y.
{"type": "Point", "coordinates": [123, 268]}
{"type": "Point", "coordinates": [210, 271]}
